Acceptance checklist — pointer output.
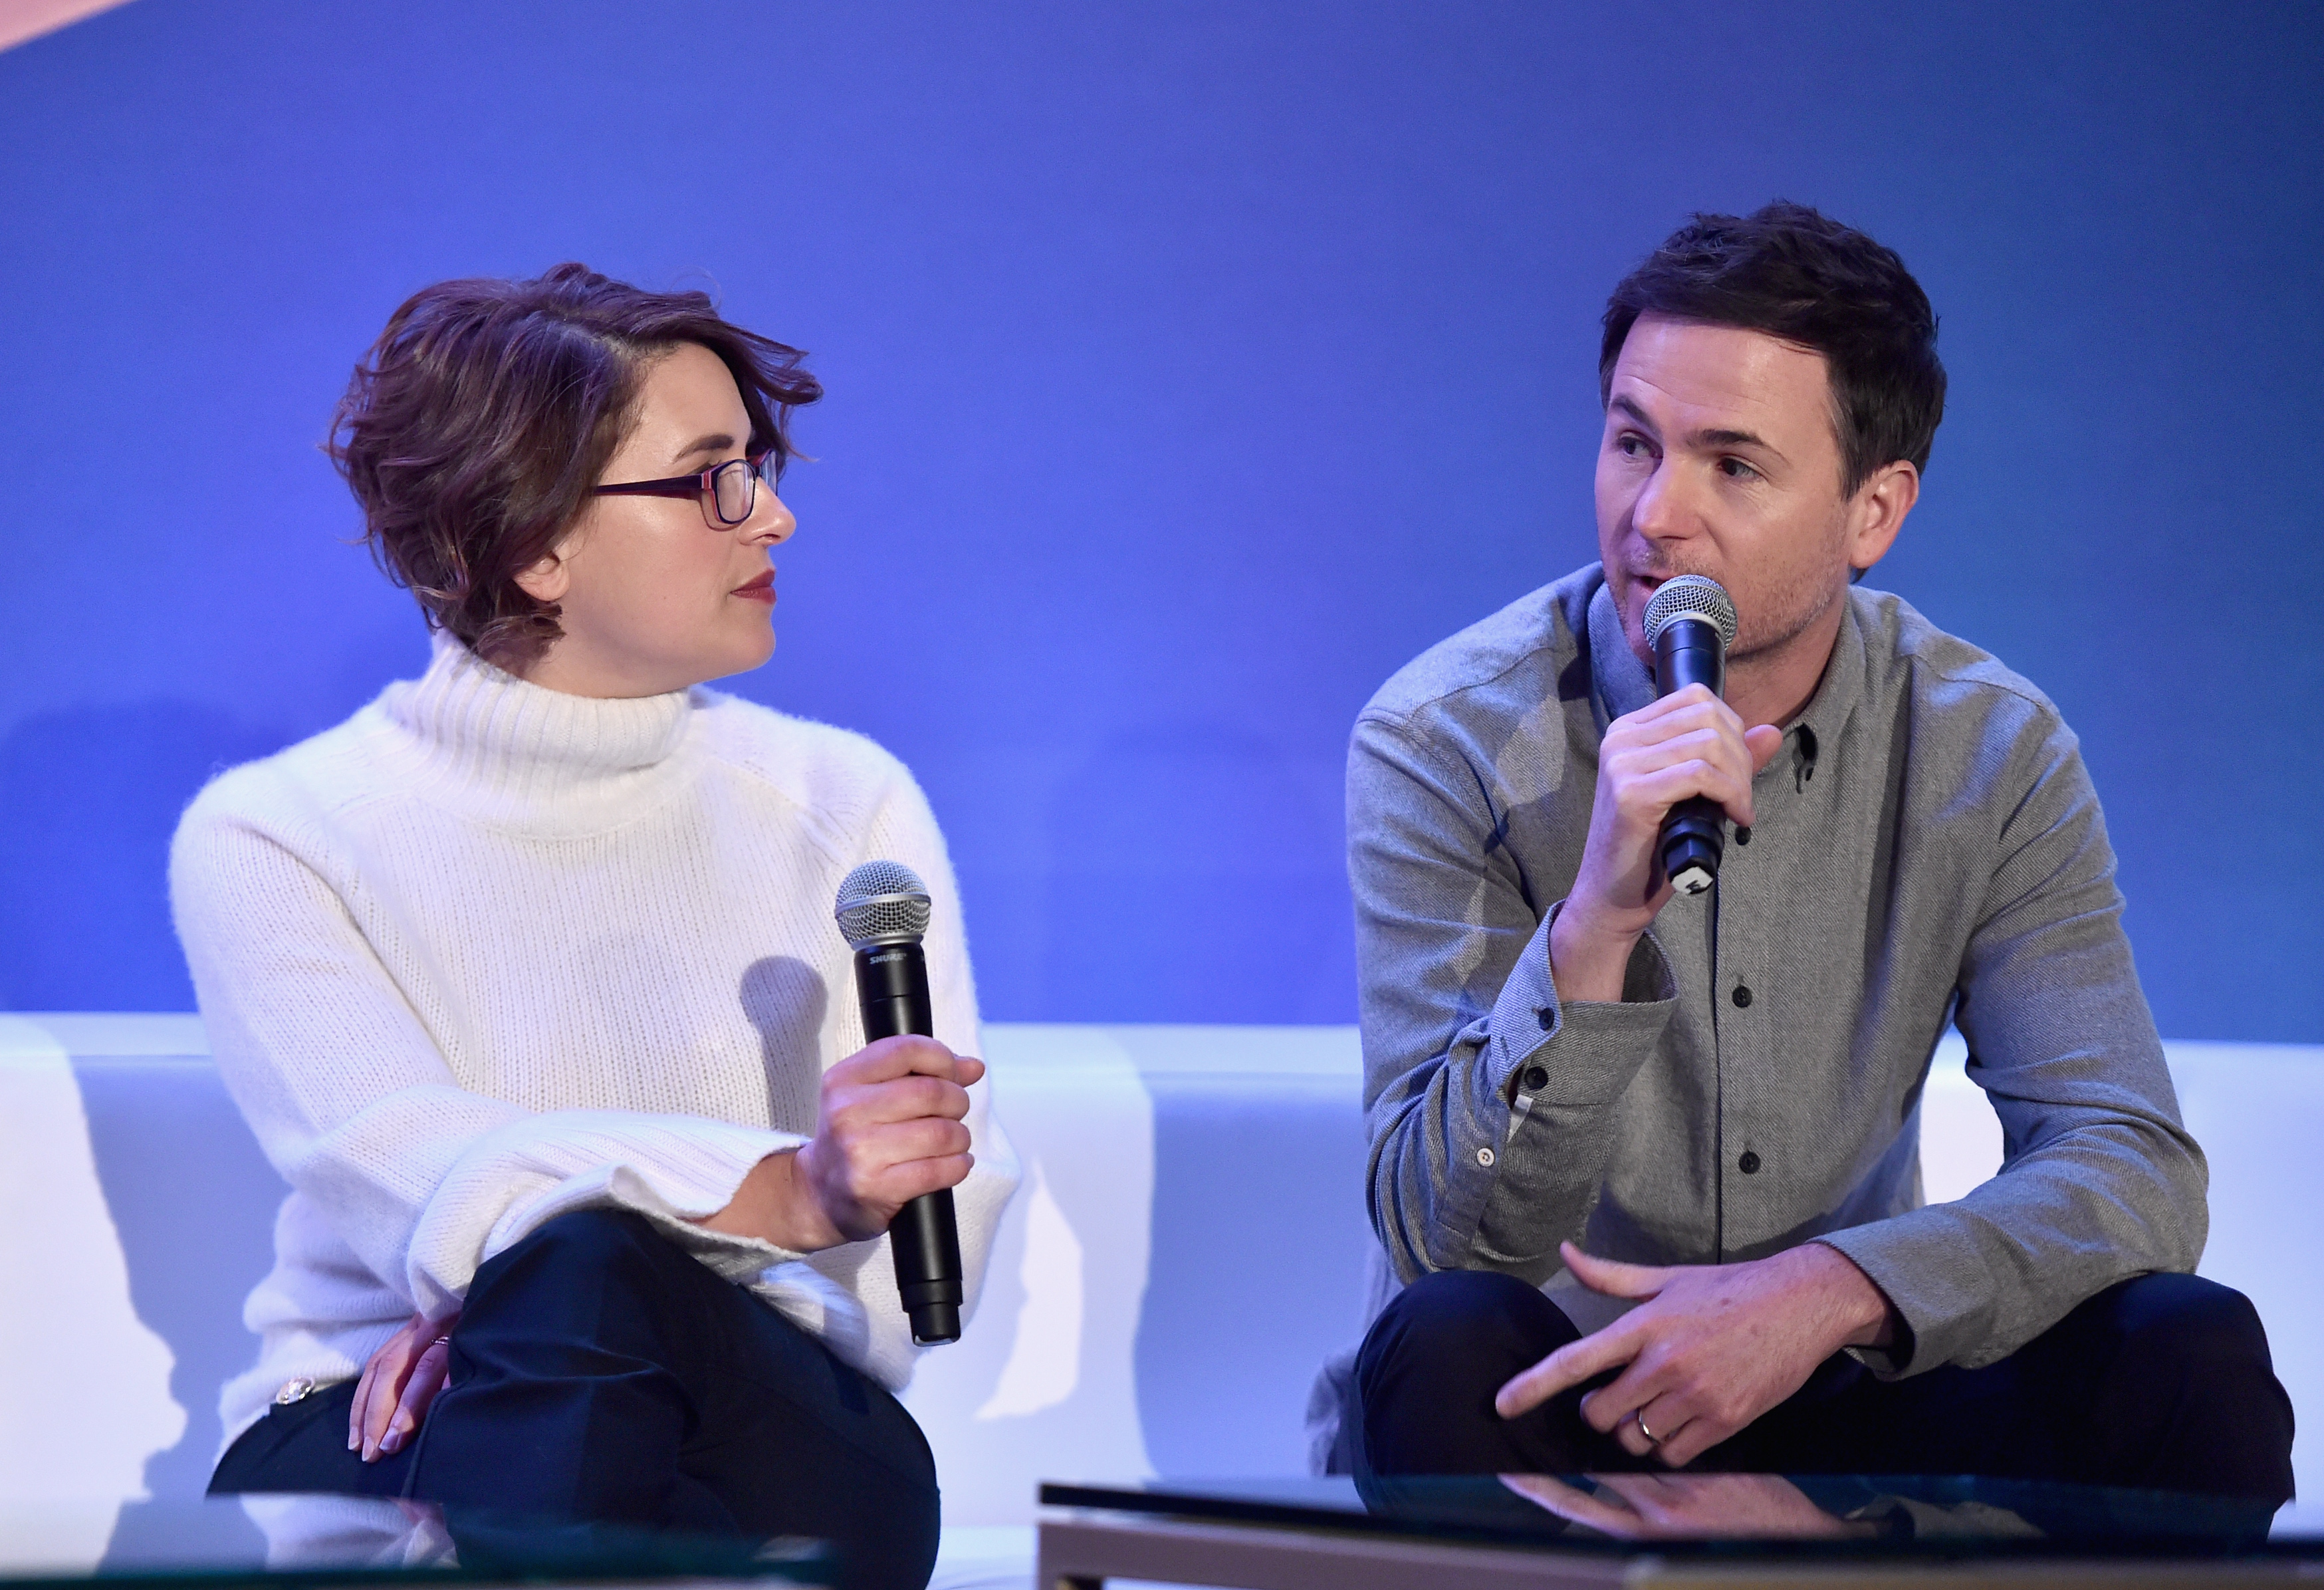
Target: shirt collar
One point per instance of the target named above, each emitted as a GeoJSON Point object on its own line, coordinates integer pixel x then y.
{"type": "Point", "coordinates": [1624, 684]}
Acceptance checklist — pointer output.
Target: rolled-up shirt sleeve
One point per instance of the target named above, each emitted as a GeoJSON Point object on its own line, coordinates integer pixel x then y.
{"type": "Point", "coordinates": [2100, 1181]}
{"type": "Point", "coordinates": [1484, 1093]}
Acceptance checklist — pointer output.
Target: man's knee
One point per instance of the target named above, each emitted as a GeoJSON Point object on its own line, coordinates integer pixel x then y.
{"type": "Point", "coordinates": [1428, 1369]}
{"type": "Point", "coordinates": [2186, 1396]}
{"type": "Point", "coordinates": [2183, 1325]}
{"type": "Point", "coordinates": [1476, 1324]}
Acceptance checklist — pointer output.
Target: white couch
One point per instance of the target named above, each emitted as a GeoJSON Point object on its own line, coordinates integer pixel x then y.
{"type": "Point", "coordinates": [1189, 1244]}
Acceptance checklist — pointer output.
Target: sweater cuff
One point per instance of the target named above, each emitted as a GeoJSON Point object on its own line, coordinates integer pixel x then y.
{"type": "Point", "coordinates": [687, 1180]}
{"type": "Point", "coordinates": [672, 1170]}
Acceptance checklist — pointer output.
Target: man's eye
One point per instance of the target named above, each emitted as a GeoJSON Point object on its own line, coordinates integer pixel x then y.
{"type": "Point", "coordinates": [1630, 446]}
{"type": "Point", "coordinates": [1735, 469]}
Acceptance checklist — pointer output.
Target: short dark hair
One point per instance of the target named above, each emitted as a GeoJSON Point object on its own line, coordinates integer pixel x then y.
{"type": "Point", "coordinates": [486, 411]}
{"type": "Point", "coordinates": [1803, 277]}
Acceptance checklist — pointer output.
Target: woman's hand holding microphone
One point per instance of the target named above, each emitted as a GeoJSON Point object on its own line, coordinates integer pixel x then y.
{"type": "Point", "coordinates": [889, 1126]}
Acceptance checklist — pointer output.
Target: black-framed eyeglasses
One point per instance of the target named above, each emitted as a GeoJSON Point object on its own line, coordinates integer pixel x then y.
{"type": "Point", "coordinates": [729, 492]}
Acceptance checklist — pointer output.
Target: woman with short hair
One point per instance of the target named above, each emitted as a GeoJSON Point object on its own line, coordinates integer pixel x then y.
{"type": "Point", "coordinates": [526, 978]}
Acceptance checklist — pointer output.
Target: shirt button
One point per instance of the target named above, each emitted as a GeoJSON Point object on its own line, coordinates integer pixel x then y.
{"type": "Point", "coordinates": [1748, 1164]}
{"type": "Point", "coordinates": [1485, 1158]}
{"type": "Point", "coordinates": [1742, 996]}
{"type": "Point", "coordinates": [1535, 1078]}
{"type": "Point", "coordinates": [1742, 836]}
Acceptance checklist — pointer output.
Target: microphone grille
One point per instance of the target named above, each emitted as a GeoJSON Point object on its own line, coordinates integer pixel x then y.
{"type": "Point", "coordinates": [1691, 596]}
{"type": "Point", "coordinates": [882, 903]}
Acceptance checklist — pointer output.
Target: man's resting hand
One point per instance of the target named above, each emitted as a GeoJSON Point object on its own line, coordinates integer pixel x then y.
{"type": "Point", "coordinates": [1710, 1348]}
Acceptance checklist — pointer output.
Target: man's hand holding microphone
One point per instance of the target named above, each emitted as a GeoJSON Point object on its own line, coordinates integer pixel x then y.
{"type": "Point", "coordinates": [1679, 747]}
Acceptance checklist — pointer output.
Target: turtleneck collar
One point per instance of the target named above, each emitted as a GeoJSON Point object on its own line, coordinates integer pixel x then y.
{"type": "Point", "coordinates": [488, 743]}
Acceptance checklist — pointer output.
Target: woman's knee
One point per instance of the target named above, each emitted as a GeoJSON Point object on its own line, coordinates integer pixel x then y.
{"type": "Point", "coordinates": [582, 1253]}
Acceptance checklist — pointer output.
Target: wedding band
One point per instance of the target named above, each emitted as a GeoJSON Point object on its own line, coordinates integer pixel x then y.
{"type": "Point", "coordinates": [441, 1341]}
{"type": "Point", "coordinates": [1639, 1417]}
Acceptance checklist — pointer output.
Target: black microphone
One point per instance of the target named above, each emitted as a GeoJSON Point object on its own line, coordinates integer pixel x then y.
{"type": "Point", "coordinates": [1690, 624]}
{"type": "Point", "coordinates": [883, 911]}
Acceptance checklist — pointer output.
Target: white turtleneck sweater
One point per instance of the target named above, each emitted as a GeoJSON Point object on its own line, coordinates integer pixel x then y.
{"type": "Point", "coordinates": [487, 952]}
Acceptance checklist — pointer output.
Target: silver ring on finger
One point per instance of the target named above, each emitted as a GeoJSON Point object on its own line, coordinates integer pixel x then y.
{"type": "Point", "coordinates": [1639, 1418]}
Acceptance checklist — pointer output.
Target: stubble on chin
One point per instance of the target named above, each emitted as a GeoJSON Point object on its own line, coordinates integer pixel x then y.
{"type": "Point", "coordinates": [1768, 618]}
{"type": "Point", "coordinates": [1776, 618]}
{"type": "Point", "coordinates": [1631, 597]}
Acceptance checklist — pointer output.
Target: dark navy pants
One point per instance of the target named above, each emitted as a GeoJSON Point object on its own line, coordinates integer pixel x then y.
{"type": "Point", "coordinates": [601, 1375]}
{"type": "Point", "coordinates": [2161, 1382]}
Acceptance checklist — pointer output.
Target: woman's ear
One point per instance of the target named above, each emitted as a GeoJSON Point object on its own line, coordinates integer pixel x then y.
{"type": "Point", "coordinates": [549, 579]}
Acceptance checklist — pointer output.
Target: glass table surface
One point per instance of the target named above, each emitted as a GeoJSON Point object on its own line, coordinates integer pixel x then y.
{"type": "Point", "coordinates": [1736, 1515]}
{"type": "Point", "coordinates": [289, 1540]}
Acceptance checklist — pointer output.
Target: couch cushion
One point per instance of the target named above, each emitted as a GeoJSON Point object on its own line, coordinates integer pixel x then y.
{"type": "Point", "coordinates": [1189, 1245]}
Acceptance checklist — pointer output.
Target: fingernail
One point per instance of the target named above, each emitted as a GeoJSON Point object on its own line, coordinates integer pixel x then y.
{"type": "Point", "coordinates": [392, 1442]}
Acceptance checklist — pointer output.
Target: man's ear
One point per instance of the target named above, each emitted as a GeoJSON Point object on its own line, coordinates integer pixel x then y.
{"type": "Point", "coordinates": [1878, 512]}
{"type": "Point", "coordinates": [549, 578]}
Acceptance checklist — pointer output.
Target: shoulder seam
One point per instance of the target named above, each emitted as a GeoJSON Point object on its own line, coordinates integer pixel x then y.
{"type": "Point", "coordinates": [1461, 689]}
{"type": "Point", "coordinates": [1401, 729]}
{"type": "Point", "coordinates": [2023, 689]}
{"type": "Point", "coordinates": [813, 820]}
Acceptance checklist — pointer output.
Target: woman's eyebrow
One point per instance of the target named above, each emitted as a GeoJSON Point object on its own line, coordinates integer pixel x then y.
{"type": "Point", "coordinates": [716, 442]}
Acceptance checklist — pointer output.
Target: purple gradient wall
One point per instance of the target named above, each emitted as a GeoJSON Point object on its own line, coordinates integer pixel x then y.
{"type": "Point", "coordinates": [1191, 367]}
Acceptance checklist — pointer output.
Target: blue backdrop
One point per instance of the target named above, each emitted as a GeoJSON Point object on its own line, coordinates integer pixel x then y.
{"type": "Point", "coordinates": [1192, 366]}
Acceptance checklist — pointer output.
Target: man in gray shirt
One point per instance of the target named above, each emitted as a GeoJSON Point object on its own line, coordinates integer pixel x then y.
{"type": "Point", "coordinates": [1648, 1163]}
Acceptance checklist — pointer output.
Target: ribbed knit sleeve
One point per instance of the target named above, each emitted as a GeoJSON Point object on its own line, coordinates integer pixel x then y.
{"type": "Point", "coordinates": [359, 1110]}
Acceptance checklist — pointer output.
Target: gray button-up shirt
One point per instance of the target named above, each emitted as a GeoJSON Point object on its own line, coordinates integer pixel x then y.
{"type": "Point", "coordinates": [1928, 848]}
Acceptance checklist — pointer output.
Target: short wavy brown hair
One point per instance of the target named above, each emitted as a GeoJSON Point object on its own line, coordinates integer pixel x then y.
{"type": "Point", "coordinates": [487, 410]}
